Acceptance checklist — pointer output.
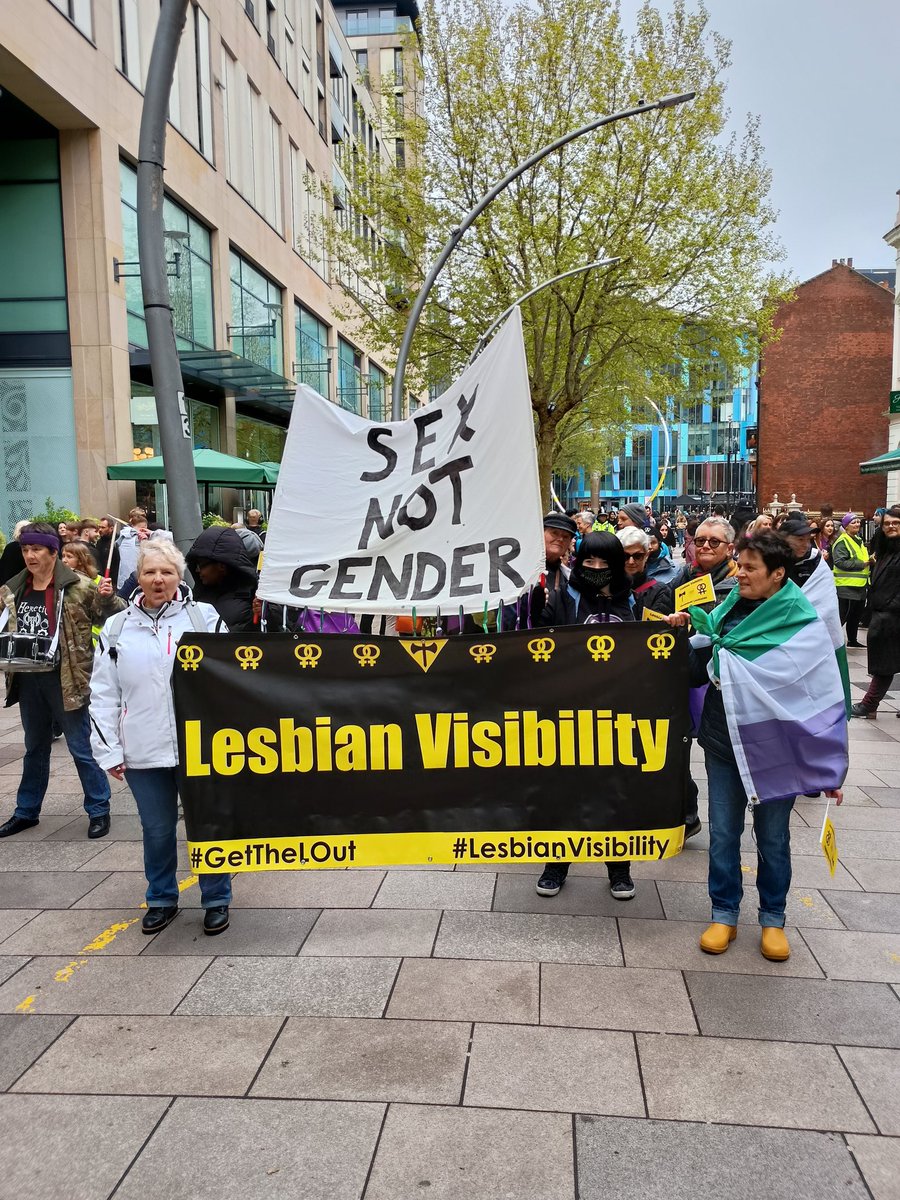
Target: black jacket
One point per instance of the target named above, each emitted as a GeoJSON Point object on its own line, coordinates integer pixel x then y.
{"type": "Point", "coordinates": [646, 594]}
{"type": "Point", "coordinates": [11, 561]}
{"type": "Point", "coordinates": [233, 598]}
{"type": "Point", "coordinates": [569, 607]}
{"type": "Point", "coordinates": [713, 735]}
{"type": "Point", "coordinates": [101, 553]}
{"type": "Point", "coordinates": [884, 613]}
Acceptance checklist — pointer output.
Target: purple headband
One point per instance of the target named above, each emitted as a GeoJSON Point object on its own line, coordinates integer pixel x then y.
{"type": "Point", "coordinates": [50, 540]}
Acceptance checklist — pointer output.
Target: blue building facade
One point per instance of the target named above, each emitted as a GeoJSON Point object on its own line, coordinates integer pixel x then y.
{"type": "Point", "coordinates": [713, 451]}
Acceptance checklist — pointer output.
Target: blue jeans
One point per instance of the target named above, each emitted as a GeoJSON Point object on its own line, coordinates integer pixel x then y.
{"type": "Point", "coordinates": [771, 823]}
{"type": "Point", "coordinates": [156, 794]}
{"type": "Point", "coordinates": [41, 706]}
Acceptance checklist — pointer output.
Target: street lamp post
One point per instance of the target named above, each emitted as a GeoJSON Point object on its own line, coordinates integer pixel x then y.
{"type": "Point", "coordinates": [470, 217]}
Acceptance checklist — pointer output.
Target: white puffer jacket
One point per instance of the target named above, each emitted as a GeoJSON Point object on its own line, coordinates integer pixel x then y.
{"type": "Point", "coordinates": [132, 714]}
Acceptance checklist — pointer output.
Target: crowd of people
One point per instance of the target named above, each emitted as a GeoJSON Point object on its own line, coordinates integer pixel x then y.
{"type": "Point", "coordinates": [111, 597]}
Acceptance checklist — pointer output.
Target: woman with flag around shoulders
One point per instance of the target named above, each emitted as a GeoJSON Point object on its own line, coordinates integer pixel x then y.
{"type": "Point", "coordinates": [773, 727]}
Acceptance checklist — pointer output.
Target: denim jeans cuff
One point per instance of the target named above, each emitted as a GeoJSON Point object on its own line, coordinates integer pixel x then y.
{"type": "Point", "coordinates": [770, 920]}
{"type": "Point", "coordinates": [724, 916]}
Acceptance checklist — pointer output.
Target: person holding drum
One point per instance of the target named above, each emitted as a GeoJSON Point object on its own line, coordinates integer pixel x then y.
{"type": "Point", "coordinates": [46, 651]}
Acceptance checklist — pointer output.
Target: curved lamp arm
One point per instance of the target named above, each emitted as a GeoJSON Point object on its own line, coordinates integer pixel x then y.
{"type": "Point", "coordinates": [486, 336]}
{"type": "Point", "coordinates": [472, 216]}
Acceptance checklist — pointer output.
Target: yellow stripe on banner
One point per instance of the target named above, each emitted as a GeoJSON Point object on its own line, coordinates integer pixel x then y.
{"type": "Point", "coordinates": [406, 849]}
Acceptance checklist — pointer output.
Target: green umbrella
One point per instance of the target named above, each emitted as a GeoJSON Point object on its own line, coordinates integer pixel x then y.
{"type": "Point", "coordinates": [209, 465]}
{"type": "Point", "coordinates": [271, 469]}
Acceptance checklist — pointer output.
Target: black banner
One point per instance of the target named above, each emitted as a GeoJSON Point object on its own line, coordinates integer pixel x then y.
{"type": "Point", "coordinates": [336, 750]}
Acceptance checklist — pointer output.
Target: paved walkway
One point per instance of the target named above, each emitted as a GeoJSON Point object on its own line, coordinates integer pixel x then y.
{"type": "Point", "coordinates": [448, 1033]}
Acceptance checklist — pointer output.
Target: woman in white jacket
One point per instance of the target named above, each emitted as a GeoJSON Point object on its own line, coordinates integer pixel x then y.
{"type": "Point", "coordinates": [133, 733]}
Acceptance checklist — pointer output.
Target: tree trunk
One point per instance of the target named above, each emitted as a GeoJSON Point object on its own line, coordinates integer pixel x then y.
{"type": "Point", "coordinates": [546, 443]}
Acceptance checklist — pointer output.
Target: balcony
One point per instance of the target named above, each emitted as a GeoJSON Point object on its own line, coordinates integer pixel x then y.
{"type": "Point", "coordinates": [370, 26]}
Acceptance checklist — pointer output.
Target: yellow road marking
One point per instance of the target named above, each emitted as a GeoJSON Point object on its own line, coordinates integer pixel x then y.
{"type": "Point", "coordinates": [103, 939]}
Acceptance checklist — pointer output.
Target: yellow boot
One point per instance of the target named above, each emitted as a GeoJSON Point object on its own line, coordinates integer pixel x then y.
{"type": "Point", "coordinates": [715, 939]}
{"type": "Point", "coordinates": [773, 944]}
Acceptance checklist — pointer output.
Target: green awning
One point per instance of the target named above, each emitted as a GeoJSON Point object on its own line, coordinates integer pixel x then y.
{"type": "Point", "coordinates": [271, 469]}
{"type": "Point", "coordinates": [209, 465]}
{"type": "Point", "coordinates": [881, 464]}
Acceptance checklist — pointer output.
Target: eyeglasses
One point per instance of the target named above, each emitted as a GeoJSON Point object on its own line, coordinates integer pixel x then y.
{"type": "Point", "coordinates": [636, 555]}
{"type": "Point", "coordinates": [890, 524]}
{"type": "Point", "coordinates": [713, 543]}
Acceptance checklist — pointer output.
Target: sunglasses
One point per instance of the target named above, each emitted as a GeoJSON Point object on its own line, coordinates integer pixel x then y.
{"type": "Point", "coordinates": [636, 555]}
{"type": "Point", "coordinates": [713, 543]}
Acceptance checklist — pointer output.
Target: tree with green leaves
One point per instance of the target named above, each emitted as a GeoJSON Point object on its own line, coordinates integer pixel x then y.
{"type": "Point", "coordinates": [682, 205]}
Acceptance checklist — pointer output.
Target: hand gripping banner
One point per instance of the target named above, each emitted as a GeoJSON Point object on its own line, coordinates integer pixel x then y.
{"type": "Point", "coordinates": [334, 751]}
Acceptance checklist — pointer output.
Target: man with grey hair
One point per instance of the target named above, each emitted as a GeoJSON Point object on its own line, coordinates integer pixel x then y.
{"type": "Point", "coordinates": [644, 592]}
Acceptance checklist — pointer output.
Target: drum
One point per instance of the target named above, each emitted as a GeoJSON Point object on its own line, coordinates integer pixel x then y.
{"type": "Point", "coordinates": [27, 652]}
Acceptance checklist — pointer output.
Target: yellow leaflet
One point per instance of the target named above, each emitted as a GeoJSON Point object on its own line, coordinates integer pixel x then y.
{"type": "Point", "coordinates": [695, 591]}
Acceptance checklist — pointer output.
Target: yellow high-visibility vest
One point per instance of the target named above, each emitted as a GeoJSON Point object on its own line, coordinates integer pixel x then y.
{"type": "Point", "coordinates": [857, 579]}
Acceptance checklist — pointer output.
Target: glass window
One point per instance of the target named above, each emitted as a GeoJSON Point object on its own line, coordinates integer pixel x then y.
{"type": "Point", "coordinates": [312, 365]}
{"type": "Point", "coordinates": [79, 13]}
{"type": "Point", "coordinates": [204, 425]}
{"type": "Point", "coordinates": [350, 378]}
{"type": "Point", "coordinates": [259, 441]}
{"type": "Point", "coordinates": [190, 291]}
{"type": "Point", "coordinates": [378, 407]}
{"type": "Point", "coordinates": [255, 315]}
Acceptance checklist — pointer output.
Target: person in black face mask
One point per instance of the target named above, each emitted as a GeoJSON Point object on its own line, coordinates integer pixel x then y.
{"type": "Point", "coordinates": [598, 588]}
{"type": "Point", "coordinates": [598, 591]}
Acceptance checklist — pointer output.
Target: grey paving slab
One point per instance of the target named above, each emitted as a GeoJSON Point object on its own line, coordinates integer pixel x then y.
{"type": "Point", "coordinates": [123, 828]}
{"type": "Point", "coordinates": [869, 912]}
{"type": "Point", "coordinates": [846, 818]}
{"type": "Point", "coordinates": [877, 1075]}
{"type": "Point", "coordinates": [677, 944]}
{"type": "Point", "coordinates": [392, 932]}
{"type": "Point", "coordinates": [45, 889]}
{"type": "Point", "coordinates": [676, 1160]}
{"type": "Point", "coordinates": [118, 856]}
{"type": "Point", "coordinates": [12, 919]}
{"type": "Point", "coordinates": [615, 998]}
{"type": "Point", "coordinates": [126, 890]}
{"type": "Point", "coordinates": [483, 1153]}
{"type": "Point", "coordinates": [306, 889]}
{"type": "Point", "coordinates": [10, 964]}
{"type": "Point", "coordinates": [691, 865]}
{"type": "Point", "coordinates": [69, 931]}
{"type": "Point", "coordinates": [456, 990]}
{"type": "Point", "coordinates": [60, 1160]}
{"type": "Point", "coordinates": [50, 824]}
{"type": "Point", "coordinates": [738, 1082]}
{"type": "Point", "coordinates": [884, 797]}
{"type": "Point", "coordinates": [809, 870]}
{"type": "Point", "coordinates": [337, 1058]}
{"type": "Point", "coordinates": [255, 931]}
{"type": "Point", "coordinates": [22, 1040]}
{"type": "Point", "coordinates": [154, 1056]}
{"type": "Point", "coordinates": [435, 889]}
{"type": "Point", "coordinates": [257, 1150]}
{"type": "Point", "coordinates": [873, 876]}
{"type": "Point", "coordinates": [286, 987]}
{"type": "Point", "coordinates": [47, 856]}
{"type": "Point", "coordinates": [690, 902]}
{"type": "Point", "coordinates": [104, 984]}
{"type": "Point", "coordinates": [554, 1070]}
{"type": "Point", "coordinates": [801, 1010]}
{"type": "Point", "coordinates": [529, 937]}
{"type": "Point", "coordinates": [889, 777]}
{"type": "Point", "coordinates": [879, 1160]}
{"type": "Point", "coordinates": [846, 954]}
{"type": "Point", "coordinates": [581, 895]}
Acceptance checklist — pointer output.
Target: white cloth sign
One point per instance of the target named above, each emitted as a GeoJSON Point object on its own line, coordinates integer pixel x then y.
{"type": "Point", "coordinates": [439, 511]}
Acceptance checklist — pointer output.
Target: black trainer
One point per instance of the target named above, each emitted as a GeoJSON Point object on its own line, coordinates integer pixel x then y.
{"type": "Point", "coordinates": [692, 828]}
{"type": "Point", "coordinates": [215, 920]}
{"type": "Point", "coordinates": [552, 879]}
{"type": "Point", "coordinates": [621, 885]}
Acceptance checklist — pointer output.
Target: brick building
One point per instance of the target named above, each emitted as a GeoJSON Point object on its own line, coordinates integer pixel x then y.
{"type": "Point", "coordinates": [823, 396]}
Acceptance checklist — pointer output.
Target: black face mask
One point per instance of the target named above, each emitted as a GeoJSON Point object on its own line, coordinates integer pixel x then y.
{"type": "Point", "coordinates": [597, 577]}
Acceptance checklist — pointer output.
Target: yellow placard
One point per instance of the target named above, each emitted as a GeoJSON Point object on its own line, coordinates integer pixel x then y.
{"type": "Point", "coordinates": [259, 562]}
{"type": "Point", "coordinates": [650, 614]}
{"type": "Point", "coordinates": [695, 591]}
{"type": "Point", "coordinates": [828, 842]}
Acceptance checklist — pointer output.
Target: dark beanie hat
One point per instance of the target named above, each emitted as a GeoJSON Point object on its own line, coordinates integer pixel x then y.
{"type": "Point", "coordinates": [635, 513]}
{"type": "Point", "coordinates": [558, 520]}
